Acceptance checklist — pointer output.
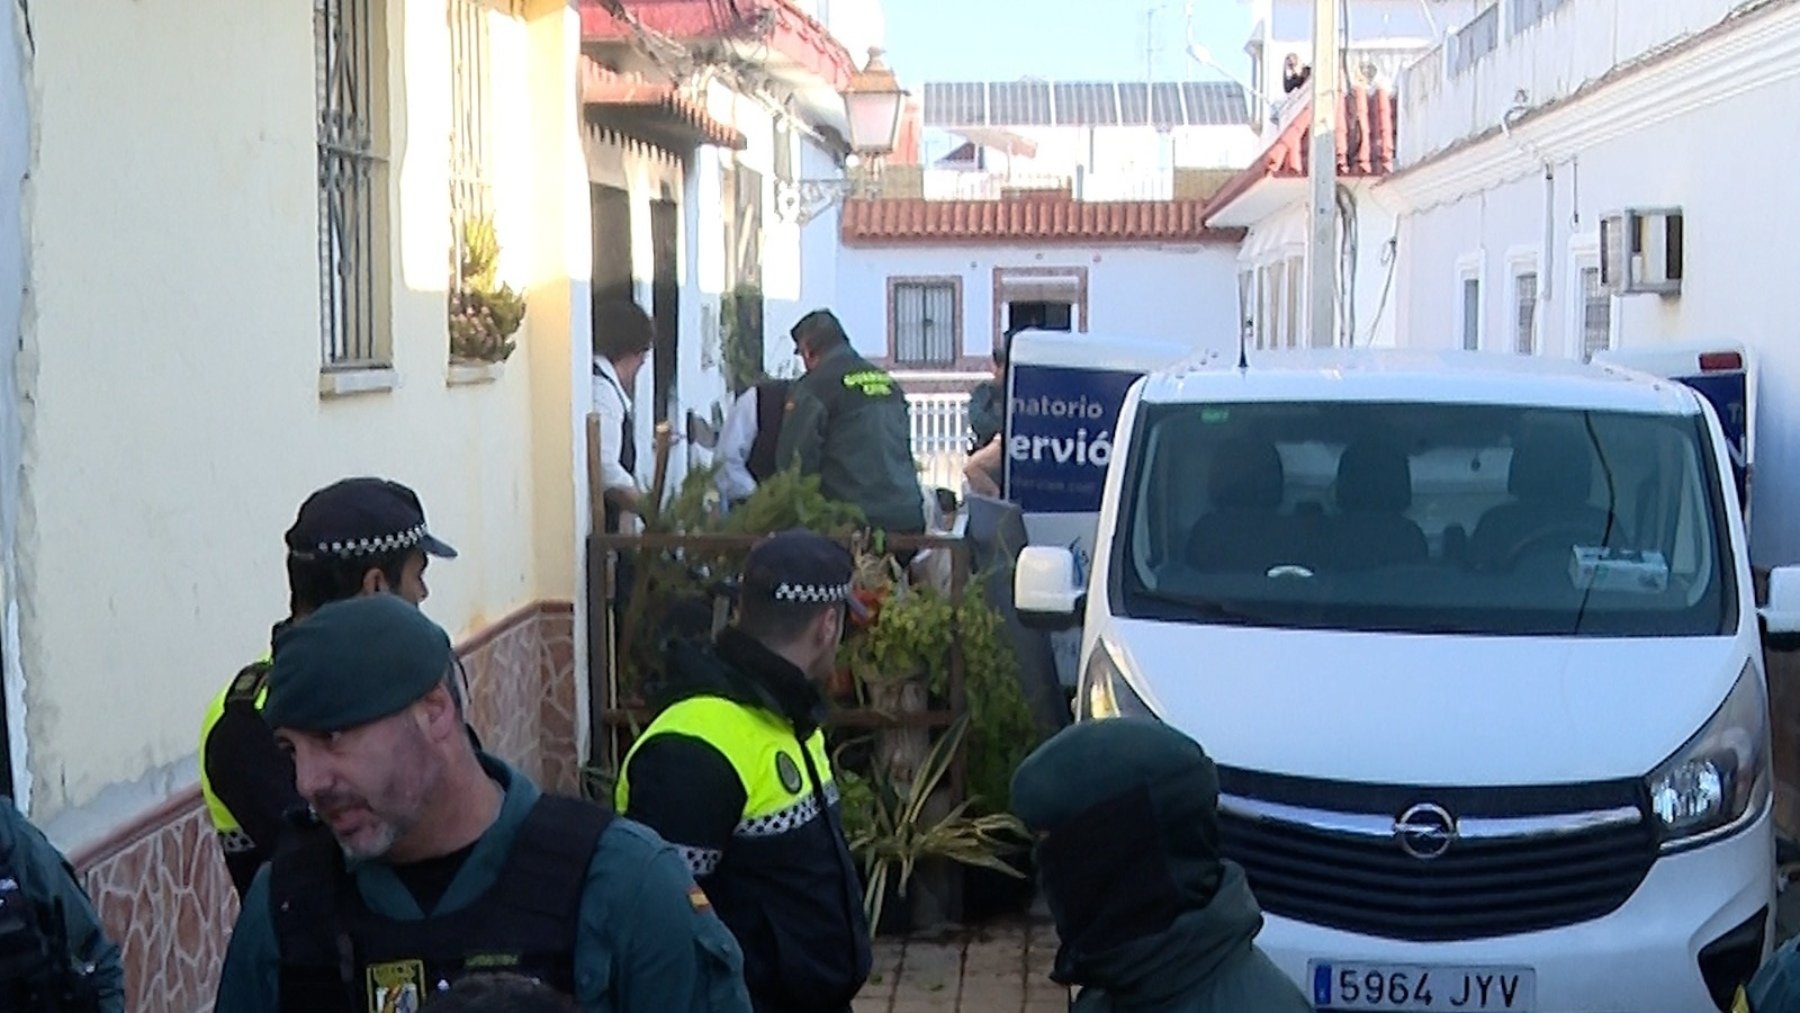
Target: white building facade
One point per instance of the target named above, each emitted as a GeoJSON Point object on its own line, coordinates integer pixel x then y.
{"type": "Point", "coordinates": [1537, 120]}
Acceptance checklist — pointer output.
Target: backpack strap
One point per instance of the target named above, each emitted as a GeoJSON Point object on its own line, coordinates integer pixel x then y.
{"type": "Point", "coordinates": [307, 881]}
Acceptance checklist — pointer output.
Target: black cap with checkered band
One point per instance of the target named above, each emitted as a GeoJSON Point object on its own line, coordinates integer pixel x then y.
{"type": "Point", "coordinates": [357, 518]}
{"type": "Point", "coordinates": [803, 568]}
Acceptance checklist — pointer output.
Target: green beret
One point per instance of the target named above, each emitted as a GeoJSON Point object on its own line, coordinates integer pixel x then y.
{"type": "Point", "coordinates": [353, 662]}
{"type": "Point", "coordinates": [1092, 762]}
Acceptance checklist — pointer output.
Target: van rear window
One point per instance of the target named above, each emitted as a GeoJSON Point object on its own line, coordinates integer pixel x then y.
{"type": "Point", "coordinates": [1424, 518]}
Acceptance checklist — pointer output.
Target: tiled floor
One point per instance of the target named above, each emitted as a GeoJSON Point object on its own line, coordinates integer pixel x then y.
{"type": "Point", "coordinates": [998, 968]}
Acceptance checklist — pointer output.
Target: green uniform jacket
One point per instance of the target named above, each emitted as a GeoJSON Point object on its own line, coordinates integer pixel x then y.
{"type": "Point", "coordinates": [1776, 986]}
{"type": "Point", "coordinates": [46, 878]}
{"type": "Point", "coordinates": [847, 423]}
{"type": "Point", "coordinates": [1205, 962]}
{"type": "Point", "coordinates": [649, 941]}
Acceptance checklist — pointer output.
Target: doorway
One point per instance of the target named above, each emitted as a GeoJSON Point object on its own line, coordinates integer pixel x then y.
{"type": "Point", "coordinates": [665, 302]}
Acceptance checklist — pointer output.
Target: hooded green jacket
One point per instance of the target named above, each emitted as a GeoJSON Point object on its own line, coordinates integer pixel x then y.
{"type": "Point", "coordinates": [1151, 918]}
{"type": "Point", "coordinates": [1205, 962]}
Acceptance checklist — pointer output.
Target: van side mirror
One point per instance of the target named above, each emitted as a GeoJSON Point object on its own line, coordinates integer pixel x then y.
{"type": "Point", "coordinates": [1781, 616]}
{"type": "Point", "coordinates": [1045, 593]}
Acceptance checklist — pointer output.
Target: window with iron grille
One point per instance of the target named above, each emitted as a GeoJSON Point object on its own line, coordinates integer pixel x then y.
{"type": "Point", "coordinates": [1525, 316]}
{"type": "Point", "coordinates": [1596, 314]}
{"type": "Point", "coordinates": [924, 326]}
{"type": "Point", "coordinates": [471, 164]}
{"type": "Point", "coordinates": [349, 45]}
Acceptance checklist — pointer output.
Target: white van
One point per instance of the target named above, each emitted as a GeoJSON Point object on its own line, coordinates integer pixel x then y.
{"type": "Point", "coordinates": [1473, 641]}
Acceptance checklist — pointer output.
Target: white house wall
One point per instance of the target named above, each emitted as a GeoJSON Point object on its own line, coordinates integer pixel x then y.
{"type": "Point", "coordinates": [171, 358]}
{"type": "Point", "coordinates": [1182, 293]}
{"type": "Point", "coordinates": [15, 148]}
{"type": "Point", "coordinates": [1734, 233]}
{"type": "Point", "coordinates": [1577, 43]}
{"type": "Point", "coordinates": [1370, 283]}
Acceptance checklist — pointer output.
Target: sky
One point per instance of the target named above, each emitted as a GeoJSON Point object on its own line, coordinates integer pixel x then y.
{"type": "Point", "coordinates": [1094, 40]}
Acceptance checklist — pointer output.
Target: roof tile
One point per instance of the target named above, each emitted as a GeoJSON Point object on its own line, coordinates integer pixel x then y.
{"type": "Point", "coordinates": [1039, 220]}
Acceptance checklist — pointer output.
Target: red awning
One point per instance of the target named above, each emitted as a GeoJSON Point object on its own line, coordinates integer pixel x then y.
{"type": "Point", "coordinates": [790, 31]}
{"type": "Point", "coordinates": [605, 91]}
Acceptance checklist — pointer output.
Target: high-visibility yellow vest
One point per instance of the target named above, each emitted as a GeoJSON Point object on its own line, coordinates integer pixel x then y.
{"type": "Point", "coordinates": [252, 682]}
{"type": "Point", "coordinates": [760, 747]}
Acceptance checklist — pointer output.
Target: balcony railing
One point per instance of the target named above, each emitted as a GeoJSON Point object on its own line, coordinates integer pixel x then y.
{"type": "Point", "coordinates": [940, 437]}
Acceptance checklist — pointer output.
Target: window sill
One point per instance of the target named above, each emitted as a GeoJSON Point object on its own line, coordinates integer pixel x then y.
{"type": "Point", "coordinates": [464, 374]}
{"type": "Point", "coordinates": [335, 383]}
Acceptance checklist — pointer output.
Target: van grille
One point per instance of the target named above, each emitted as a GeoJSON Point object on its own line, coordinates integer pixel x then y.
{"type": "Point", "coordinates": [1478, 888]}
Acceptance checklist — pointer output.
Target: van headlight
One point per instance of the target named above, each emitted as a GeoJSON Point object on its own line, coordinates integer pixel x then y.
{"type": "Point", "coordinates": [1719, 780]}
{"type": "Point", "coordinates": [1107, 693]}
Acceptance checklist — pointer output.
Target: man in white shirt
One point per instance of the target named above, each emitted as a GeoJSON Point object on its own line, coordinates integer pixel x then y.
{"type": "Point", "coordinates": [746, 448]}
{"type": "Point", "coordinates": [623, 335]}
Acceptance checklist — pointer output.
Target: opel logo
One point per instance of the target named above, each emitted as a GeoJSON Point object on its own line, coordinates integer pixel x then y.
{"type": "Point", "coordinates": [1425, 831]}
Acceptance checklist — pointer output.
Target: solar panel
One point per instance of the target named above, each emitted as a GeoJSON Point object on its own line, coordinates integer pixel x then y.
{"type": "Point", "coordinates": [1019, 104]}
{"type": "Point", "coordinates": [1134, 104]}
{"type": "Point", "coordinates": [956, 104]}
{"type": "Point", "coordinates": [1214, 103]}
{"type": "Point", "coordinates": [1165, 104]}
{"type": "Point", "coordinates": [1086, 104]}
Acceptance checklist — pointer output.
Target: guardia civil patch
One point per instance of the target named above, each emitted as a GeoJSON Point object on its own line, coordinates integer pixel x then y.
{"type": "Point", "coordinates": [397, 987]}
{"type": "Point", "coordinates": [789, 774]}
{"type": "Point", "coordinates": [697, 897]}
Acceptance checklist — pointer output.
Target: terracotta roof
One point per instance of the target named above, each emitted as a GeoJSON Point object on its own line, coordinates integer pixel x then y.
{"type": "Point", "coordinates": [1365, 144]}
{"type": "Point", "coordinates": [790, 31]}
{"type": "Point", "coordinates": [1042, 219]}
{"type": "Point", "coordinates": [603, 88]}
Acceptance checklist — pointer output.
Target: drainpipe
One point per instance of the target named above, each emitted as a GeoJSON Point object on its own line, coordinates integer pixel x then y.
{"type": "Point", "coordinates": [1546, 278]}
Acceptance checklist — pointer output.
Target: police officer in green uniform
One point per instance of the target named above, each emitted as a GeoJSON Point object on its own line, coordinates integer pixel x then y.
{"type": "Point", "coordinates": [847, 423]}
{"type": "Point", "coordinates": [54, 955]}
{"type": "Point", "coordinates": [735, 773]}
{"type": "Point", "coordinates": [356, 536]}
{"type": "Point", "coordinates": [425, 860]}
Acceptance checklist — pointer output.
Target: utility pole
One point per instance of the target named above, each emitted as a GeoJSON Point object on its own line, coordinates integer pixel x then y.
{"type": "Point", "coordinates": [1322, 248]}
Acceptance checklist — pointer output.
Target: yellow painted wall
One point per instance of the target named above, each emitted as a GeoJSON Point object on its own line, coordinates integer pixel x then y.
{"type": "Point", "coordinates": [170, 367]}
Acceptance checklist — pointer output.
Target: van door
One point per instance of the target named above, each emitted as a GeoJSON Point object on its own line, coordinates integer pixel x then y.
{"type": "Point", "coordinates": [1063, 397]}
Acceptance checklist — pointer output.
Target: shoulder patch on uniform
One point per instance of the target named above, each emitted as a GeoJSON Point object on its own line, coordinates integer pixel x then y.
{"type": "Point", "coordinates": [787, 771]}
{"type": "Point", "coordinates": [397, 987]}
{"type": "Point", "coordinates": [697, 897]}
{"type": "Point", "coordinates": [249, 681]}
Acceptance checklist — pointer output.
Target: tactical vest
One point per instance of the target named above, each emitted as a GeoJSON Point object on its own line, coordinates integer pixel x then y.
{"type": "Point", "coordinates": [771, 409]}
{"type": "Point", "coordinates": [242, 700]}
{"type": "Point", "coordinates": [338, 955]}
{"type": "Point", "coordinates": [36, 970]}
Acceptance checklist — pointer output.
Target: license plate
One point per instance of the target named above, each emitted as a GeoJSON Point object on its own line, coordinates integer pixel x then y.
{"type": "Point", "coordinates": [1401, 988]}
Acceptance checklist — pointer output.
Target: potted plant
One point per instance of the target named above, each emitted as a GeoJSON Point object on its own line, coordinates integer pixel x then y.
{"type": "Point", "coordinates": [484, 312]}
{"type": "Point", "coordinates": [891, 831]}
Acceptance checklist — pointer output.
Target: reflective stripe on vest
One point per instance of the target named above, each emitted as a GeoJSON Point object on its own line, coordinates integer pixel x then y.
{"type": "Point", "coordinates": [222, 819]}
{"type": "Point", "coordinates": [761, 748]}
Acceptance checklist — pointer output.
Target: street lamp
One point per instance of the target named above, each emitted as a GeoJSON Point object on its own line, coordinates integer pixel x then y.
{"type": "Point", "coordinates": [873, 105]}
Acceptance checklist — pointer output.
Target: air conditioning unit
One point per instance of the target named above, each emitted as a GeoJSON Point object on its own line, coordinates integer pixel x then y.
{"type": "Point", "coordinates": [1640, 251]}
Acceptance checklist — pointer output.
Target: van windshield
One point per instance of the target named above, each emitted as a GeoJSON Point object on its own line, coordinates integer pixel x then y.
{"type": "Point", "coordinates": [1431, 518]}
